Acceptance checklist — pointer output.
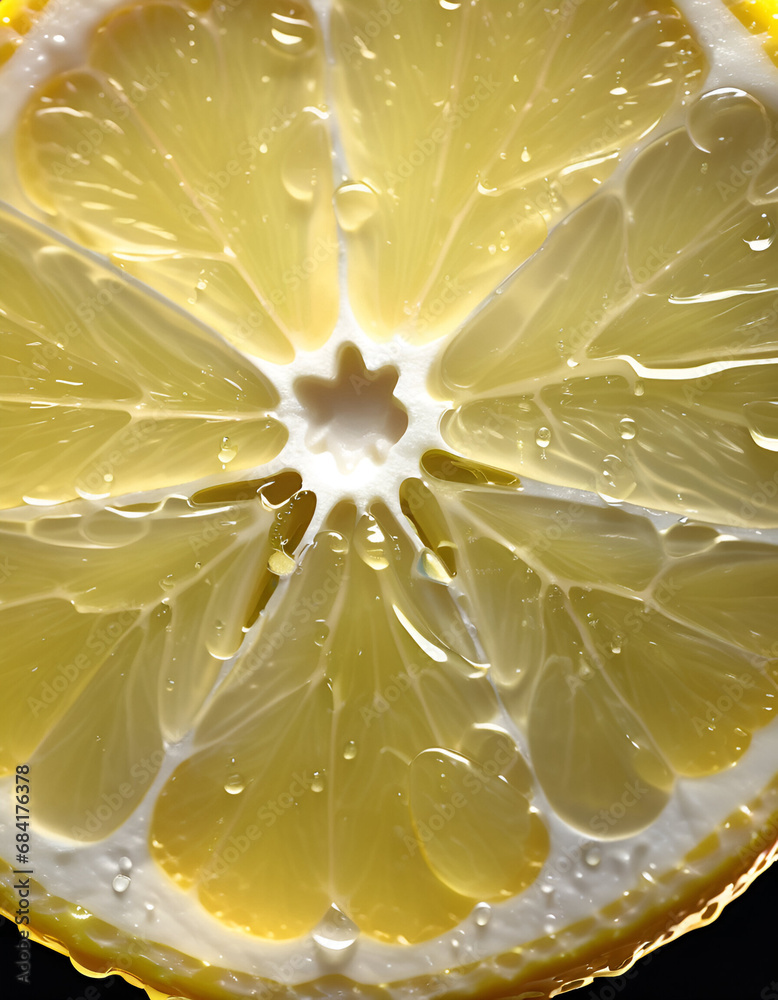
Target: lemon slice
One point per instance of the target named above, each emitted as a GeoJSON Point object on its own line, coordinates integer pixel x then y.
{"type": "Point", "coordinates": [387, 528]}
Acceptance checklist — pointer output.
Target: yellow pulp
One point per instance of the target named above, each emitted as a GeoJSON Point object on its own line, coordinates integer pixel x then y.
{"type": "Point", "coordinates": [351, 757]}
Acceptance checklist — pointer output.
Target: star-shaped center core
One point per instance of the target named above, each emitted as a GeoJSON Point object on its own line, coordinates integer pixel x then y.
{"type": "Point", "coordinates": [355, 415]}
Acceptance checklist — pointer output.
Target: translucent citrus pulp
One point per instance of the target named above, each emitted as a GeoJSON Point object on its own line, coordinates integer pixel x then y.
{"type": "Point", "coordinates": [389, 571]}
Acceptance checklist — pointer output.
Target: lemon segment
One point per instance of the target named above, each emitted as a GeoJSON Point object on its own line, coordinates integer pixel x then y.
{"type": "Point", "coordinates": [355, 697]}
{"type": "Point", "coordinates": [104, 390]}
{"type": "Point", "coordinates": [651, 379]}
{"type": "Point", "coordinates": [469, 130]}
{"type": "Point", "coordinates": [585, 647]}
{"type": "Point", "coordinates": [137, 652]}
{"type": "Point", "coordinates": [228, 212]}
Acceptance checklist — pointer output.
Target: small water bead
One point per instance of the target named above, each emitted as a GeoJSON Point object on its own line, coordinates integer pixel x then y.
{"type": "Point", "coordinates": [627, 428]}
{"type": "Point", "coordinates": [167, 582]}
{"type": "Point", "coordinates": [234, 785]}
{"type": "Point", "coordinates": [321, 632]}
{"type": "Point", "coordinates": [525, 155]}
{"type": "Point", "coordinates": [350, 750]}
{"type": "Point", "coordinates": [228, 451]}
{"type": "Point", "coordinates": [317, 784]}
{"type": "Point", "coordinates": [543, 437]}
{"type": "Point", "coordinates": [592, 857]}
{"type": "Point", "coordinates": [149, 907]}
{"type": "Point", "coordinates": [616, 481]}
{"type": "Point", "coordinates": [125, 865]}
{"type": "Point", "coordinates": [482, 914]}
{"type": "Point", "coordinates": [120, 883]}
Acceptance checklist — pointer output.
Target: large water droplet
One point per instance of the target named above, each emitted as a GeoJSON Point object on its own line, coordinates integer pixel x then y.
{"type": "Point", "coordinates": [350, 750]}
{"type": "Point", "coordinates": [228, 451]}
{"type": "Point", "coordinates": [371, 543]}
{"type": "Point", "coordinates": [321, 631]}
{"type": "Point", "coordinates": [615, 482]}
{"type": "Point", "coordinates": [121, 883]}
{"type": "Point", "coordinates": [335, 932]}
{"type": "Point", "coordinates": [543, 437]}
{"type": "Point", "coordinates": [292, 35]}
{"type": "Point", "coordinates": [354, 203]}
{"type": "Point", "coordinates": [234, 785]}
{"type": "Point", "coordinates": [482, 914]}
{"type": "Point", "coordinates": [431, 566]}
{"type": "Point", "coordinates": [592, 857]}
{"type": "Point", "coordinates": [627, 428]}
{"type": "Point", "coordinates": [762, 235]}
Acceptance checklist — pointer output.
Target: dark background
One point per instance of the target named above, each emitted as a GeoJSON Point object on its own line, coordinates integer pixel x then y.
{"type": "Point", "coordinates": [735, 958]}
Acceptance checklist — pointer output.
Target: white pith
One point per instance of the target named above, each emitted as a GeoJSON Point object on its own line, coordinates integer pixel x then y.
{"type": "Point", "coordinates": [568, 889]}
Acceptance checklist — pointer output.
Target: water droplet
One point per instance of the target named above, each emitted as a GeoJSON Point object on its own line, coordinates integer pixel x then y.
{"type": "Point", "coordinates": [293, 35]}
{"type": "Point", "coordinates": [149, 907]}
{"type": "Point", "coordinates": [280, 563]}
{"type": "Point", "coordinates": [431, 566]}
{"type": "Point", "coordinates": [543, 437]}
{"type": "Point", "coordinates": [487, 189]}
{"type": "Point", "coordinates": [616, 645]}
{"type": "Point", "coordinates": [228, 451]}
{"type": "Point", "coordinates": [762, 236]}
{"type": "Point", "coordinates": [639, 388]}
{"type": "Point", "coordinates": [546, 889]}
{"type": "Point", "coordinates": [371, 543]}
{"type": "Point", "coordinates": [234, 785]}
{"type": "Point", "coordinates": [108, 478]}
{"type": "Point", "coordinates": [321, 631]}
{"type": "Point", "coordinates": [121, 883]}
{"type": "Point", "coordinates": [350, 750]}
{"type": "Point", "coordinates": [335, 932]}
{"type": "Point", "coordinates": [337, 543]}
{"type": "Point", "coordinates": [525, 155]}
{"type": "Point", "coordinates": [354, 204]}
{"type": "Point", "coordinates": [167, 582]}
{"type": "Point", "coordinates": [720, 117]}
{"type": "Point", "coordinates": [616, 481]}
{"type": "Point", "coordinates": [202, 284]}
{"type": "Point", "coordinates": [592, 857]}
{"type": "Point", "coordinates": [125, 865]}
{"type": "Point", "coordinates": [317, 784]}
{"type": "Point", "coordinates": [482, 914]}
{"type": "Point", "coordinates": [627, 428]}
{"type": "Point", "coordinates": [450, 4]}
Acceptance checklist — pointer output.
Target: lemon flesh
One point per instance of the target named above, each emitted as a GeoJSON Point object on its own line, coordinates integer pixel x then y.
{"type": "Point", "coordinates": [338, 694]}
